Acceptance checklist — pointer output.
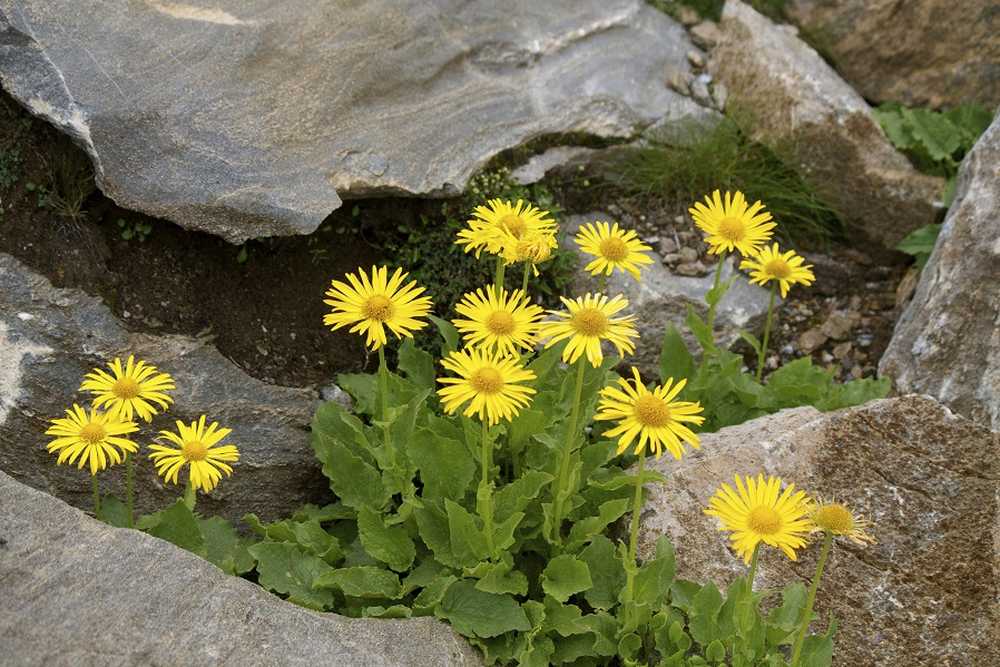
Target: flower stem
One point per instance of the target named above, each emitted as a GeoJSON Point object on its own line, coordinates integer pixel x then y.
{"type": "Point", "coordinates": [498, 283]}
{"type": "Point", "coordinates": [524, 279]}
{"type": "Point", "coordinates": [633, 537]}
{"type": "Point", "coordinates": [486, 489]}
{"type": "Point", "coordinates": [190, 495]}
{"type": "Point", "coordinates": [129, 485]}
{"type": "Point", "coordinates": [715, 286]}
{"type": "Point", "coordinates": [567, 453]}
{"type": "Point", "coordinates": [767, 334]}
{"type": "Point", "coordinates": [97, 496]}
{"type": "Point", "coordinates": [383, 384]}
{"type": "Point", "coordinates": [811, 599]}
{"type": "Point", "coordinates": [752, 574]}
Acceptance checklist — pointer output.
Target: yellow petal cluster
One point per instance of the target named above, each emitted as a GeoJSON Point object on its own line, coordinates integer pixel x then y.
{"type": "Point", "coordinates": [198, 446]}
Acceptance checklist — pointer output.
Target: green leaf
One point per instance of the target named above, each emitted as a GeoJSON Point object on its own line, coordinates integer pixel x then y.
{"type": "Point", "coordinates": [971, 120]}
{"type": "Point", "coordinates": [362, 582]}
{"type": "Point", "coordinates": [287, 570]}
{"type": "Point", "coordinates": [655, 577]}
{"type": "Point", "coordinates": [113, 512]}
{"type": "Point", "coordinates": [417, 364]}
{"type": "Point", "coordinates": [363, 388]}
{"type": "Point", "coordinates": [326, 513]}
{"type": "Point", "coordinates": [934, 131]}
{"type": "Point", "coordinates": [675, 358]}
{"type": "Point", "coordinates": [432, 525]}
{"type": "Point", "coordinates": [565, 619]}
{"type": "Point", "coordinates": [585, 529]}
{"type": "Point", "coordinates": [445, 465]}
{"type": "Point", "coordinates": [432, 594]}
{"type": "Point", "coordinates": [564, 576]}
{"type": "Point", "coordinates": [475, 612]}
{"type": "Point", "coordinates": [606, 573]}
{"type": "Point", "coordinates": [500, 577]}
{"type": "Point", "coordinates": [395, 611]}
{"type": "Point", "coordinates": [705, 607]}
{"type": "Point", "coordinates": [423, 574]}
{"type": "Point", "coordinates": [520, 429]}
{"type": "Point", "coordinates": [176, 524]}
{"type": "Point", "coordinates": [223, 546]}
{"type": "Point", "coordinates": [448, 332]}
{"type": "Point", "coordinates": [391, 545]}
{"type": "Point", "coordinates": [503, 531]}
{"type": "Point", "coordinates": [357, 483]}
{"type": "Point", "coordinates": [516, 496]}
{"type": "Point", "coordinates": [715, 652]}
{"type": "Point", "coordinates": [895, 127]}
{"type": "Point", "coordinates": [751, 340]}
{"type": "Point", "coordinates": [699, 328]}
{"type": "Point", "coordinates": [468, 543]}
{"type": "Point", "coordinates": [921, 240]}
{"type": "Point", "coordinates": [784, 620]}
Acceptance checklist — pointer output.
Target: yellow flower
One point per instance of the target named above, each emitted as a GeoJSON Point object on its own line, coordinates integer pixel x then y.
{"type": "Point", "coordinates": [771, 264]}
{"type": "Point", "coordinates": [489, 382]}
{"type": "Point", "coordinates": [613, 248]}
{"type": "Point", "coordinates": [838, 519]}
{"type": "Point", "coordinates": [200, 448]}
{"type": "Point", "coordinates": [534, 247]}
{"type": "Point", "coordinates": [587, 321]}
{"type": "Point", "coordinates": [732, 225]}
{"type": "Point", "coordinates": [758, 513]}
{"type": "Point", "coordinates": [654, 416]}
{"type": "Point", "coordinates": [129, 390]}
{"type": "Point", "coordinates": [505, 323]}
{"type": "Point", "coordinates": [372, 304]}
{"type": "Point", "coordinates": [94, 438]}
{"type": "Point", "coordinates": [500, 222]}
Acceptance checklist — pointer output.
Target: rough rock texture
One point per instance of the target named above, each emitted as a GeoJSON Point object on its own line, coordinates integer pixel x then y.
{"type": "Point", "coordinates": [927, 593]}
{"type": "Point", "coordinates": [50, 337]}
{"type": "Point", "coordinates": [661, 299]}
{"type": "Point", "coordinates": [919, 52]}
{"type": "Point", "coordinates": [947, 342]}
{"type": "Point", "coordinates": [77, 592]}
{"type": "Point", "coordinates": [253, 118]}
{"type": "Point", "coordinates": [804, 109]}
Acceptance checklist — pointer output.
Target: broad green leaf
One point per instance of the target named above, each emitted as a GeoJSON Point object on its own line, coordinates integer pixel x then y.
{"type": "Point", "coordinates": [223, 546]}
{"type": "Point", "coordinates": [113, 512]}
{"type": "Point", "coordinates": [176, 524]}
{"type": "Point", "coordinates": [895, 127]}
{"type": "Point", "coordinates": [527, 423]}
{"type": "Point", "coordinates": [629, 645]}
{"type": "Point", "coordinates": [574, 650]}
{"type": "Point", "coordinates": [417, 364]}
{"type": "Point", "coordinates": [699, 328]}
{"type": "Point", "coordinates": [705, 607]}
{"type": "Point", "coordinates": [287, 570]}
{"type": "Point", "coordinates": [584, 529]}
{"type": "Point", "coordinates": [675, 358]}
{"type": "Point", "coordinates": [445, 465]}
{"type": "Point", "coordinates": [423, 574]}
{"type": "Point", "coordinates": [448, 332]}
{"type": "Point", "coordinates": [564, 619]}
{"type": "Point", "coordinates": [500, 577]}
{"type": "Point", "coordinates": [655, 577]}
{"type": "Point", "coordinates": [432, 594]}
{"type": "Point", "coordinates": [395, 611]}
{"type": "Point", "coordinates": [391, 545]}
{"type": "Point", "coordinates": [468, 544]}
{"type": "Point", "coordinates": [934, 131]}
{"type": "Point", "coordinates": [432, 525]}
{"type": "Point", "coordinates": [751, 340]}
{"type": "Point", "coordinates": [971, 120]}
{"type": "Point", "coordinates": [564, 576]}
{"type": "Point", "coordinates": [605, 630]}
{"type": "Point", "coordinates": [362, 582]}
{"type": "Point", "coordinates": [326, 513]}
{"type": "Point", "coordinates": [503, 531]}
{"type": "Point", "coordinates": [475, 612]}
{"type": "Point", "coordinates": [516, 496]}
{"type": "Point", "coordinates": [403, 425]}
{"type": "Point", "coordinates": [920, 241]}
{"type": "Point", "coordinates": [336, 437]}
{"type": "Point", "coordinates": [363, 388]}
{"type": "Point", "coordinates": [606, 573]}
{"type": "Point", "coordinates": [715, 652]}
{"type": "Point", "coordinates": [783, 620]}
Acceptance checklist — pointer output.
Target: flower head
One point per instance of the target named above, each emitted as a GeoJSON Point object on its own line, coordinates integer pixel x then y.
{"type": "Point", "coordinates": [92, 439]}
{"type": "Point", "coordinates": [372, 304]}
{"type": "Point", "coordinates": [757, 511]}
{"type": "Point", "coordinates": [505, 323]}
{"type": "Point", "coordinates": [836, 518]}
{"type": "Point", "coordinates": [132, 388]}
{"type": "Point", "coordinates": [787, 268]}
{"type": "Point", "coordinates": [731, 224]}
{"type": "Point", "coordinates": [491, 384]}
{"type": "Point", "coordinates": [654, 416]}
{"type": "Point", "coordinates": [612, 248]}
{"type": "Point", "coordinates": [586, 322]}
{"type": "Point", "coordinates": [199, 447]}
{"type": "Point", "coordinates": [500, 223]}
{"type": "Point", "coordinates": [534, 247]}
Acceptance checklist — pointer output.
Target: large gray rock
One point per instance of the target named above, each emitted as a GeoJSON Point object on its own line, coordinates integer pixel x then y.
{"type": "Point", "coordinates": [947, 342]}
{"type": "Point", "coordinates": [249, 119]}
{"type": "Point", "coordinates": [804, 109]}
{"type": "Point", "coordinates": [77, 592]}
{"type": "Point", "coordinates": [919, 52]}
{"type": "Point", "coordinates": [50, 337]}
{"type": "Point", "coordinates": [927, 593]}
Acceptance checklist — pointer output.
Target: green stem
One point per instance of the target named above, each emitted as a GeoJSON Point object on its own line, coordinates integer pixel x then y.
{"type": "Point", "coordinates": [811, 599]}
{"type": "Point", "coordinates": [715, 287]}
{"type": "Point", "coordinates": [383, 384]}
{"type": "Point", "coordinates": [633, 537]}
{"type": "Point", "coordinates": [486, 457]}
{"type": "Point", "coordinates": [567, 454]}
{"type": "Point", "coordinates": [97, 496]}
{"type": "Point", "coordinates": [129, 485]}
{"type": "Point", "coordinates": [498, 283]}
{"type": "Point", "coordinates": [190, 495]}
{"type": "Point", "coordinates": [602, 283]}
{"type": "Point", "coordinates": [524, 279]}
{"type": "Point", "coordinates": [767, 334]}
{"type": "Point", "coordinates": [752, 574]}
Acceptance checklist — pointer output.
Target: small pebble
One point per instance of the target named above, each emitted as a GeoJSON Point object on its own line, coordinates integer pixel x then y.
{"type": "Point", "coordinates": [690, 269]}
{"type": "Point", "coordinates": [671, 258]}
{"type": "Point", "coordinates": [667, 246]}
{"type": "Point", "coordinates": [688, 255]}
{"type": "Point", "coordinates": [696, 58]}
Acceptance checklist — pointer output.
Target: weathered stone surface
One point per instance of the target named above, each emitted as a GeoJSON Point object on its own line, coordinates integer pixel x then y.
{"type": "Point", "coordinates": [919, 52]}
{"type": "Point", "coordinates": [661, 299]}
{"type": "Point", "coordinates": [77, 592]}
{"type": "Point", "coordinates": [804, 109]}
{"type": "Point", "coordinates": [927, 593]}
{"type": "Point", "coordinates": [947, 342]}
{"type": "Point", "coordinates": [247, 119]}
{"type": "Point", "coordinates": [50, 337]}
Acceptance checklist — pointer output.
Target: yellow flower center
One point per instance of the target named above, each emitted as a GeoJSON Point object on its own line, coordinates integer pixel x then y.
{"type": "Point", "coordinates": [500, 323]}
{"type": "Point", "coordinates": [614, 249]}
{"type": "Point", "coordinates": [486, 380]}
{"type": "Point", "coordinates": [589, 322]}
{"type": "Point", "coordinates": [652, 411]}
{"type": "Point", "coordinates": [194, 450]}
{"type": "Point", "coordinates": [834, 517]}
{"type": "Point", "coordinates": [125, 388]}
{"type": "Point", "coordinates": [92, 433]}
{"type": "Point", "coordinates": [778, 268]}
{"type": "Point", "coordinates": [378, 307]}
{"type": "Point", "coordinates": [731, 229]}
{"type": "Point", "coordinates": [764, 521]}
{"type": "Point", "coordinates": [514, 224]}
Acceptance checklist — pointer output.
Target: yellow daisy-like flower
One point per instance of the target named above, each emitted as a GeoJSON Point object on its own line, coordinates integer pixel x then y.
{"type": "Point", "coordinates": [499, 222]}
{"type": "Point", "coordinates": [199, 447]}
{"type": "Point", "coordinates": [505, 323]}
{"type": "Point", "coordinates": [535, 248]}
{"type": "Point", "coordinates": [372, 304]}
{"type": "Point", "coordinates": [731, 224]}
{"type": "Point", "coordinates": [785, 267]}
{"type": "Point", "coordinates": [837, 518]}
{"type": "Point", "coordinates": [613, 248]}
{"type": "Point", "coordinates": [491, 384]}
{"type": "Point", "coordinates": [587, 322]}
{"type": "Point", "coordinates": [759, 512]}
{"type": "Point", "coordinates": [654, 416]}
{"type": "Point", "coordinates": [92, 439]}
{"type": "Point", "coordinates": [135, 388]}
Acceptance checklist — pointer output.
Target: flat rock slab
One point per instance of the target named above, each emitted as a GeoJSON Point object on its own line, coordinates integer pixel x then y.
{"type": "Point", "coordinates": [77, 592]}
{"type": "Point", "coordinates": [947, 342]}
{"type": "Point", "coordinates": [50, 337]}
{"type": "Point", "coordinates": [927, 593]}
{"type": "Point", "coordinates": [252, 118]}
